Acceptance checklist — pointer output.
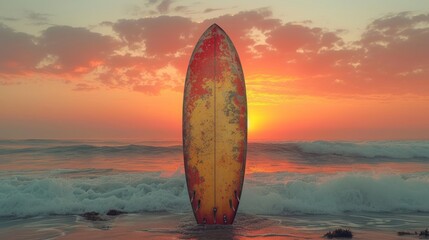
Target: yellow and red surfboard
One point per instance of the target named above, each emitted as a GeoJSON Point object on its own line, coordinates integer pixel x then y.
{"type": "Point", "coordinates": [215, 128]}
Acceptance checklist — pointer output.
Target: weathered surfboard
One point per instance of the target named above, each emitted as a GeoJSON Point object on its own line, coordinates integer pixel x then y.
{"type": "Point", "coordinates": [215, 128]}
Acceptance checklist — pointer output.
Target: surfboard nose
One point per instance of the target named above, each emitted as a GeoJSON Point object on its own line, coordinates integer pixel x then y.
{"type": "Point", "coordinates": [214, 25]}
{"type": "Point", "coordinates": [214, 28]}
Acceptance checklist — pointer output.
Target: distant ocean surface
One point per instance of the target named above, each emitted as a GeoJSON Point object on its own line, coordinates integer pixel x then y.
{"type": "Point", "coordinates": [60, 178]}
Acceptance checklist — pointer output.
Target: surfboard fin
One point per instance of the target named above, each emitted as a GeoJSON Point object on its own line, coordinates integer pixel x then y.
{"type": "Point", "coordinates": [198, 205]}
{"type": "Point", "coordinates": [236, 195]}
{"type": "Point", "coordinates": [193, 196]}
{"type": "Point", "coordinates": [230, 205]}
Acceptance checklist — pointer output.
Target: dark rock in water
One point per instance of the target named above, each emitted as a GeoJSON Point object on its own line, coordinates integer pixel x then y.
{"type": "Point", "coordinates": [339, 233]}
{"type": "Point", "coordinates": [406, 233]}
{"type": "Point", "coordinates": [92, 216]}
{"type": "Point", "coordinates": [114, 212]}
{"type": "Point", "coordinates": [104, 227]}
{"type": "Point", "coordinates": [424, 234]}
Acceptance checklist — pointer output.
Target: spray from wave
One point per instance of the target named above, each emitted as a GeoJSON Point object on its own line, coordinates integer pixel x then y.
{"type": "Point", "coordinates": [61, 193]}
{"type": "Point", "coordinates": [49, 190]}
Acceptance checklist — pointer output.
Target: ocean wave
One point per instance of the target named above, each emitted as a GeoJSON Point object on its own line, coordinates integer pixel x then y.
{"type": "Point", "coordinates": [306, 151]}
{"type": "Point", "coordinates": [334, 194]}
{"type": "Point", "coordinates": [58, 193]}
{"type": "Point", "coordinates": [378, 149]}
{"type": "Point", "coordinates": [32, 196]}
{"type": "Point", "coordinates": [388, 149]}
{"type": "Point", "coordinates": [86, 149]}
{"type": "Point", "coordinates": [35, 142]}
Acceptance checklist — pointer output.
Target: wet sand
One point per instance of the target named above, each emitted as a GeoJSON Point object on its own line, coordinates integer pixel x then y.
{"type": "Point", "coordinates": [182, 226]}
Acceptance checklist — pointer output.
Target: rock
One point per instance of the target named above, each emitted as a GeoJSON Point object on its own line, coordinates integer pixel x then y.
{"type": "Point", "coordinates": [92, 216]}
{"type": "Point", "coordinates": [339, 233]}
{"type": "Point", "coordinates": [424, 234]}
{"type": "Point", "coordinates": [114, 212]}
{"type": "Point", "coordinates": [406, 233]}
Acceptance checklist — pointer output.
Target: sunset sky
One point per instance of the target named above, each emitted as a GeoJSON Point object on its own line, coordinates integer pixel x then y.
{"type": "Point", "coordinates": [314, 70]}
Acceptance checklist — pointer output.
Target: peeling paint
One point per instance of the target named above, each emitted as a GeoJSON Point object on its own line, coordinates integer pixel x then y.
{"type": "Point", "coordinates": [215, 128]}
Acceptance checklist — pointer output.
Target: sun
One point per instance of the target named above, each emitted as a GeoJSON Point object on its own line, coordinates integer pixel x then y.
{"type": "Point", "coordinates": [254, 121]}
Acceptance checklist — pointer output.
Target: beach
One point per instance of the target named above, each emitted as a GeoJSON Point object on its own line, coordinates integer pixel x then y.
{"type": "Point", "coordinates": [292, 190]}
{"type": "Point", "coordinates": [164, 225]}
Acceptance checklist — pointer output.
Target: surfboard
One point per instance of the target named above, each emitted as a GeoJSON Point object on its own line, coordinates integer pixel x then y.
{"type": "Point", "coordinates": [214, 128]}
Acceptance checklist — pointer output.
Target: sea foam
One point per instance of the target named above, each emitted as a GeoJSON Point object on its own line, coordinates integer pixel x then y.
{"type": "Point", "coordinates": [60, 193]}
{"type": "Point", "coordinates": [31, 192]}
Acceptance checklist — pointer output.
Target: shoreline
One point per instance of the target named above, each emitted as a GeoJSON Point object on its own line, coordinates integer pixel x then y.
{"type": "Point", "coordinates": [164, 225]}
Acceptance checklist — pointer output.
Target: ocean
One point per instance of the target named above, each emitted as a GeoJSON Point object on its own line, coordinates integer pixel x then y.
{"type": "Point", "coordinates": [292, 190]}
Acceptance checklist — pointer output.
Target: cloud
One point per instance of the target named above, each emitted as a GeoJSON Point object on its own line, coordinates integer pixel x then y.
{"type": "Point", "coordinates": [209, 10]}
{"type": "Point", "coordinates": [9, 19]}
{"type": "Point", "coordinates": [142, 78]}
{"type": "Point", "coordinates": [164, 6]}
{"type": "Point", "coordinates": [151, 54]}
{"type": "Point", "coordinates": [158, 35]}
{"type": "Point", "coordinates": [37, 18]}
{"type": "Point", "coordinates": [150, 2]}
{"type": "Point", "coordinates": [180, 8]}
{"type": "Point", "coordinates": [84, 87]}
{"type": "Point", "coordinates": [70, 50]}
{"type": "Point", "coordinates": [396, 53]}
{"type": "Point", "coordinates": [19, 52]}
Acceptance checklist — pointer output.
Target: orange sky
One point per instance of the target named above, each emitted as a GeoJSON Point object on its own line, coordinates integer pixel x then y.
{"type": "Point", "coordinates": [63, 76]}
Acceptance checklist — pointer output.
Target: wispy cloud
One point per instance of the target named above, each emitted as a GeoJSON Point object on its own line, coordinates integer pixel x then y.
{"type": "Point", "coordinates": [8, 19]}
{"type": "Point", "coordinates": [164, 6]}
{"type": "Point", "coordinates": [85, 87]}
{"type": "Point", "coordinates": [209, 10]}
{"type": "Point", "coordinates": [37, 18]}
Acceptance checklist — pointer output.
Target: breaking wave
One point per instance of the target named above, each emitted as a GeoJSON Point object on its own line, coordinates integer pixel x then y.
{"type": "Point", "coordinates": [34, 192]}
{"type": "Point", "coordinates": [59, 193]}
{"type": "Point", "coordinates": [395, 150]}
